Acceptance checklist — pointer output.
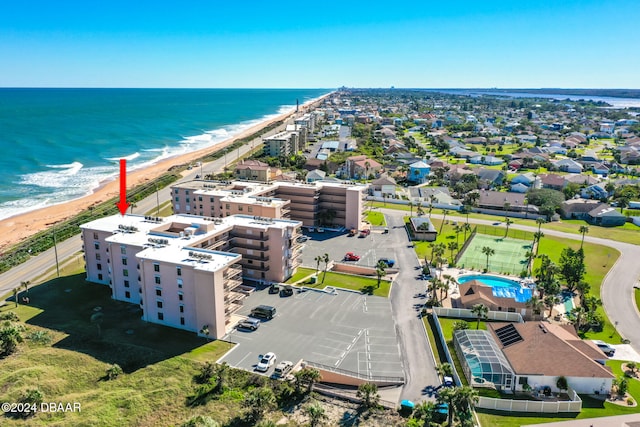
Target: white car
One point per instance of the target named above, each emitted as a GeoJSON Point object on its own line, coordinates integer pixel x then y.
{"type": "Point", "coordinates": [606, 348]}
{"type": "Point", "coordinates": [266, 362]}
{"type": "Point", "coordinates": [283, 369]}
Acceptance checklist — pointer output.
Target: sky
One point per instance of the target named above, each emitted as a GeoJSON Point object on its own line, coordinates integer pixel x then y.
{"type": "Point", "coordinates": [301, 44]}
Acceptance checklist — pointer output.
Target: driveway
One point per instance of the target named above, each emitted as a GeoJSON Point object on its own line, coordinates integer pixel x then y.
{"type": "Point", "coordinates": [343, 330]}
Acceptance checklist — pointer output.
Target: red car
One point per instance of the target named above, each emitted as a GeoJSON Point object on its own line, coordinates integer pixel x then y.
{"type": "Point", "coordinates": [350, 256]}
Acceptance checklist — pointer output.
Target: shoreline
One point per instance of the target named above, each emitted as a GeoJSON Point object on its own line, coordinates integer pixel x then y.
{"type": "Point", "coordinates": [21, 226]}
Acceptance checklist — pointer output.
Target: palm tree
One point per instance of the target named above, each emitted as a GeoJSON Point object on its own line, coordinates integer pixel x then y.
{"type": "Point", "coordinates": [325, 259]}
{"type": "Point", "coordinates": [467, 228]}
{"type": "Point", "coordinates": [452, 246]}
{"type": "Point", "coordinates": [480, 310]}
{"type": "Point", "coordinates": [222, 373]}
{"type": "Point", "coordinates": [437, 250]}
{"type": "Point", "coordinates": [448, 279]}
{"type": "Point", "coordinates": [411, 208]}
{"type": "Point", "coordinates": [366, 171]}
{"type": "Point", "coordinates": [536, 239]}
{"type": "Point", "coordinates": [540, 221]}
{"type": "Point", "coordinates": [15, 295]}
{"type": "Point", "coordinates": [318, 260]}
{"type": "Point", "coordinates": [551, 301]}
{"type": "Point", "coordinates": [25, 284]}
{"type": "Point", "coordinates": [458, 229]}
{"type": "Point", "coordinates": [380, 270]}
{"type": "Point", "coordinates": [447, 395]}
{"type": "Point", "coordinates": [536, 305]}
{"type": "Point", "coordinates": [419, 209]}
{"type": "Point", "coordinates": [466, 397]}
{"type": "Point", "coordinates": [308, 376]}
{"type": "Point", "coordinates": [488, 251]}
{"type": "Point", "coordinates": [368, 392]}
{"type": "Point", "coordinates": [444, 370]}
{"type": "Point", "coordinates": [507, 222]}
{"type": "Point", "coordinates": [583, 230]}
{"type": "Point", "coordinates": [444, 215]}
{"type": "Point", "coordinates": [316, 414]}
{"type": "Point", "coordinates": [258, 401]}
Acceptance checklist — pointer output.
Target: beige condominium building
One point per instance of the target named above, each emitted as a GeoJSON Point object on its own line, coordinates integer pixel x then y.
{"type": "Point", "coordinates": [314, 204]}
{"type": "Point", "coordinates": [188, 272]}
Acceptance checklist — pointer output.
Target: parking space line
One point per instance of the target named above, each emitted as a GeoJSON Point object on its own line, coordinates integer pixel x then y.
{"type": "Point", "coordinates": [242, 360]}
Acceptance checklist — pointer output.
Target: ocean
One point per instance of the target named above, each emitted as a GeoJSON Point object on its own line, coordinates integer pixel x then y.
{"type": "Point", "coordinates": [59, 144]}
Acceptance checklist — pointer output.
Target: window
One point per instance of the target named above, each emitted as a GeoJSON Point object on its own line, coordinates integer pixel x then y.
{"type": "Point", "coordinates": [95, 236]}
{"type": "Point", "coordinates": [156, 267]}
{"type": "Point", "coordinates": [186, 192]}
{"type": "Point", "coordinates": [211, 200]}
{"type": "Point", "coordinates": [523, 380]}
{"type": "Point", "coordinates": [98, 257]}
{"type": "Point", "coordinates": [177, 191]}
{"type": "Point", "coordinates": [124, 261]}
{"type": "Point", "coordinates": [240, 208]}
{"type": "Point", "coordinates": [123, 250]}
{"type": "Point", "coordinates": [158, 292]}
{"type": "Point", "coordinates": [180, 283]}
{"type": "Point", "coordinates": [127, 294]}
{"type": "Point", "coordinates": [126, 283]}
{"type": "Point", "coordinates": [182, 320]}
{"type": "Point", "coordinates": [249, 261]}
{"type": "Point", "coordinates": [180, 296]}
{"type": "Point", "coordinates": [160, 316]}
{"type": "Point", "coordinates": [250, 208]}
{"type": "Point", "coordinates": [96, 246]}
{"type": "Point", "coordinates": [157, 280]}
{"type": "Point", "coordinates": [188, 200]}
{"type": "Point", "coordinates": [125, 272]}
{"type": "Point", "coordinates": [159, 304]}
{"type": "Point", "coordinates": [182, 309]}
{"type": "Point", "coordinates": [228, 206]}
{"type": "Point", "coordinates": [99, 266]}
{"type": "Point", "coordinates": [177, 199]}
{"type": "Point", "coordinates": [511, 310]}
{"type": "Point", "coordinates": [179, 271]}
{"type": "Point", "coordinates": [200, 199]}
{"type": "Point", "coordinates": [99, 276]}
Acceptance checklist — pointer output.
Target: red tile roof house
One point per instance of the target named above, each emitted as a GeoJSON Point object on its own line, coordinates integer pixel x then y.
{"type": "Point", "coordinates": [519, 356]}
{"type": "Point", "coordinates": [361, 166]}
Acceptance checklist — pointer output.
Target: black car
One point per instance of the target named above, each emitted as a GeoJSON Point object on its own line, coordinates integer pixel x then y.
{"type": "Point", "coordinates": [286, 291]}
{"type": "Point", "coordinates": [274, 289]}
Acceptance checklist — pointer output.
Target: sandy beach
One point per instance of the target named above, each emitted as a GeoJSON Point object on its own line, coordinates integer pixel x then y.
{"type": "Point", "coordinates": [17, 228]}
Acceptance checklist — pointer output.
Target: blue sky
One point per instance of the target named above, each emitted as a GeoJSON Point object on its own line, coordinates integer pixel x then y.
{"type": "Point", "coordinates": [434, 44]}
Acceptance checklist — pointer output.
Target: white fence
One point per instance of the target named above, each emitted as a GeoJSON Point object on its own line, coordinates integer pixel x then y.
{"type": "Point", "coordinates": [465, 313]}
{"type": "Point", "coordinates": [511, 405]}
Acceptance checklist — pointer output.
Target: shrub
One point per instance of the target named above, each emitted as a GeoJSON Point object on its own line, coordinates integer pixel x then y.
{"type": "Point", "coordinates": [630, 401]}
{"type": "Point", "coordinates": [206, 373]}
{"type": "Point", "coordinates": [9, 315]}
{"type": "Point", "coordinates": [40, 337]}
{"type": "Point", "coordinates": [113, 371]}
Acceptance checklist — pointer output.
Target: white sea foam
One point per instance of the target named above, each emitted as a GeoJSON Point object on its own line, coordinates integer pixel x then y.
{"type": "Point", "coordinates": [72, 181]}
{"type": "Point", "coordinates": [127, 158]}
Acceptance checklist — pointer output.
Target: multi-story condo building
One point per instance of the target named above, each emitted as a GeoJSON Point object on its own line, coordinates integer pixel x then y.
{"type": "Point", "coordinates": [186, 271]}
{"type": "Point", "coordinates": [282, 144]}
{"type": "Point", "coordinates": [314, 204]}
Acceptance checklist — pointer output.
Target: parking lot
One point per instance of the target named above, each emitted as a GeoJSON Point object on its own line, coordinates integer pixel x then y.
{"type": "Point", "coordinates": [371, 248]}
{"type": "Point", "coordinates": [343, 330]}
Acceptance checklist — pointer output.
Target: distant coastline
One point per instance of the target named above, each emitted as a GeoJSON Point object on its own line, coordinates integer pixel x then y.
{"type": "Point", "coordinates": [613, 93]}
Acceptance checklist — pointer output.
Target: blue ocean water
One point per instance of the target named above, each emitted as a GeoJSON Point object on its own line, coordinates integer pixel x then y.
{"type": "Point", "coordinates": [59, 144]}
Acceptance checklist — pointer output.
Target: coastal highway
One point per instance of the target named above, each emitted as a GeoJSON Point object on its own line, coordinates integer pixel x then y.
{"type": "Point", "coordinates": [33, 269]}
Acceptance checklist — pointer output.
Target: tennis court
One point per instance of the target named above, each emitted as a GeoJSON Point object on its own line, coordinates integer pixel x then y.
{"type": "Point", "coordinates": [510, 254]}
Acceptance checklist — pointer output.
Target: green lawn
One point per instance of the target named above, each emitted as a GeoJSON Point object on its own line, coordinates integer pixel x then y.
{"type": "Point", "coordinates": [301, 273]}
{"type": "Point", "coordinates": [591, 408]}
{"type": "Point", "coordinates": [376, 218]}
{"type": "Point", "coordinates": [628, 233]}
{"type": "Point", "coordinates": [166, 209]}
{"type": "Point", "coordinates": [366, 285]}
{"type": "Point", "coordinates": [159, 362]}
{"type": "Point", "coordinates": [448, 234]}
{"type": "Point", "coordinates": [636, 293]}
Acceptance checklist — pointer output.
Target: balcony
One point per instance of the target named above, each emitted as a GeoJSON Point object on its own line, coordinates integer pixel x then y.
{"type": "Point", "coordinates": [257, 246]}
{"type": "Point", "coordinates": [240, 235]}
{"type": "Point", "coordinates": [234, 297]}
{"type": "Point", "coordinates": [256, 257]}
{"type": "Point", "coordinates": [232, 272]}
{"type": "Point", "coordinates": [256, 267]}
{"type": "Point", "coordinates": [232, 308]}
{"type": "Point", "coordinates": [217, 244]}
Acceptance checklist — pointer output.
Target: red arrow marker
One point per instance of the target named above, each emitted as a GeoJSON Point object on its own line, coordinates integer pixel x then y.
{"type": "Point", "coordinates": [122, 204]}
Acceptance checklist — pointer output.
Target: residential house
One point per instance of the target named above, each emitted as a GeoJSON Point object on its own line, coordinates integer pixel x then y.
{"type": "Point", "coordinates": [528, 178]}
{"type": "Point", "coordinates": [518, 188]}
{"type": "Point", "coordinates": [578, 208]}
{"type": "Point", "coordinates": [361, 167]}
{"type": "Point", "coordinates": [485, 160]}
{"type": "Point", "coordinates": [498, 202]}
{"type": "Point", "coordinates": [606, 216]}
{"type": "Point", "coordinates": [490, 177]}
{"type": "Point", "coordinates": [531, 356]}
{"type": "Point", "coordinates": [600, 169]}
{"type": "Point", "coordinates": [595, 191]}
{"type": "Point", "coordinates": [256, 170]}
{"type": "Point", "coordinates": [568, 165]}
{"type": "Point", "coordinates": [384, 185]}
{"type": "Point", "coordinates": [419, 172]}
{"type": "Point", "coordinates": [315, 175]}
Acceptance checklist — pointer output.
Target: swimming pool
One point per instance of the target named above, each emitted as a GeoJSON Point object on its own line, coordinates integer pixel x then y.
{"type": "Point", "coordinates": [501, 287]}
